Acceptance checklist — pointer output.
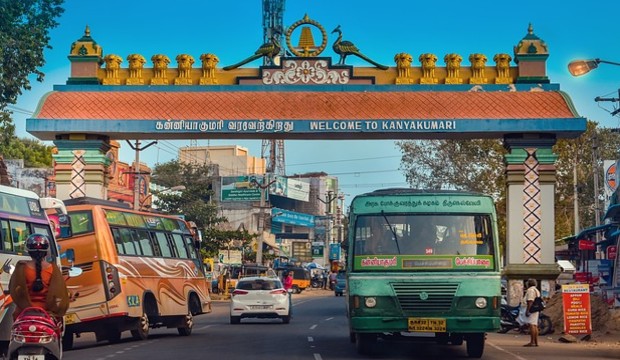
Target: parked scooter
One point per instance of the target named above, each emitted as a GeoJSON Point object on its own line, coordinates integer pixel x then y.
{"type": "Point", "coordinates": [509, 320]}
{"type": "Point", "coordinates": [316, 282]}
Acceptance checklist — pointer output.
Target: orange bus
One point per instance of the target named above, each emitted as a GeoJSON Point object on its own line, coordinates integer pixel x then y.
{"type": "Point", "coordinates": [141, 270]}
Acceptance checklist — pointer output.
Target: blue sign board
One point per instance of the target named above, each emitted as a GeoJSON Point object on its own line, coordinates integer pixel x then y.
{"type": "Point", "coordinates": [334, 252]}
{"type": "Point", "coordinates": [292, 217]}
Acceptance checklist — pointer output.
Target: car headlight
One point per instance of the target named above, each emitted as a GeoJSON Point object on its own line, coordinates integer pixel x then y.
{"type": "Point", "coordinates": [481, 303]}
{"type": "Point", "coordinates": [370, 302]}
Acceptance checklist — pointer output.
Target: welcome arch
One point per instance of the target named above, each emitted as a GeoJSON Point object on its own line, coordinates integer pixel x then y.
{"type": "Point", "coordinates": [309, 97]}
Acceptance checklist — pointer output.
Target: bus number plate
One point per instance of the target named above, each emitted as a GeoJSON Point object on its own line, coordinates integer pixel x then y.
{"type": "Point", "coordinates": [70, 318]}
{"type": "Point", "coordinates": [427, 325]}
{"type": "Point", "coordinates": [31, 357]}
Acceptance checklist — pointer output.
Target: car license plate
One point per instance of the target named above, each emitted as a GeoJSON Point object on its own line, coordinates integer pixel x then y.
{"type": "Point", "coordinates": [260, 307]}
{"type": "Point", "coordinates": [427, 325]}
{"type": "Point", "coordinates": [31, 357]}
{"type": "Point", "coordinates": [71, 318]}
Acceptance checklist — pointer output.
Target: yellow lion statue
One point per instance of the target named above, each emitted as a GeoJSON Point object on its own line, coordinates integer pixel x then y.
{"type": "Point", "coordinates": [403, 64]}
{"type": "Point", "coordinates": [502, 64]}
{"type": "Point", "coordinates": [112, 65]}
{"type": "Point", "coordinates": [160, 66]}
{"type": "Point", "coordinates": [428, 62]}
{"type": "Point", "coordinates": [478, 64]}
{"type": "Point", "coordinates": [185, 63]}
{"type": "Point", "coordinates": [136, 64]}
{"type": "Point", "coordinates": [209, 62]}
{"type": "Point", "coordinates": [453, 64]}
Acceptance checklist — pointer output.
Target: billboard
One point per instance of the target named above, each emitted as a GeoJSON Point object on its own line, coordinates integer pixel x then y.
{"type": "Point", "coordinates": [241, 188]}
{"type": "Point", "coordinates": [290, 188]}
{"type": "Point", "coordinates": [609, 172]}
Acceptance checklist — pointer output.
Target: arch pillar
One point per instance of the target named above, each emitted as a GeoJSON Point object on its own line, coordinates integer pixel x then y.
{"type": "Point", "coordinates": [80, 166]}
{"type": "Point", "coordinates": [530, 214]}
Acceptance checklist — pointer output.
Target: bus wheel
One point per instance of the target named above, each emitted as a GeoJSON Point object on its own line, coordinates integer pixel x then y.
{"type": "Point", "coordinates": [475, 345]}
{"type": "Point", "coordinates": [67, 341]}
{"type": "Point", "coordinates": [142, 332]}
{"type": "Point", "coordinates": [188, 324]}
{"type": "Point", "coordinates": [365, 343]}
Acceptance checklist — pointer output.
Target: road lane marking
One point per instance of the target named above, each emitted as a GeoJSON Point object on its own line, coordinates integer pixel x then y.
{"type": "Point", "coordinates": [329, 318]}
{"type": "Point", "coordinates": [313, 327]}
{"type": "Point", "coordinates": [317, 357]}
{"type": "Point", "coordinates": [506, 351]}
{"type": "Point", "coordinates": [310, 339]}
{"type": "Point", "coordinates": [204, 327]}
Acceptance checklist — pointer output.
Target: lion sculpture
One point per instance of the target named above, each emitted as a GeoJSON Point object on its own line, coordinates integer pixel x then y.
{"type": "Point", "coordinates": [136, 64]}
{"type": "Point", "coordinates": [453, 65]}
{"type": "Point", "coordinates": [160, 66]}
{"type": "Point", "coordinates": [403, 64]}
{"type": "Point", "coordinates": [185, 63]}
{"type": "Point", "coordinates": [112, 65]}
{"type": "Point", "coordinates": [209, 62]}
{"type": "Point", "coordinates": [502, 64]}
{"type": "Point", "coordinates": [478, 64]}
{"type": "Point", "coordinates": [428, 62]}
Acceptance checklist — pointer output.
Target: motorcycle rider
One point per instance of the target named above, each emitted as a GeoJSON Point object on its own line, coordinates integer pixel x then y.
{"type": "Point", "coordinates": [39, 282]}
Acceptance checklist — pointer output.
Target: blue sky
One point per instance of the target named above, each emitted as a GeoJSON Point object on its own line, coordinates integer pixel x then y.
{"type": "Point", "coordinates": [233, 30]}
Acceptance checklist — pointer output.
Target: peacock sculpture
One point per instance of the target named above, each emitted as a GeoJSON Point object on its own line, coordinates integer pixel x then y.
{"type": "Point", "coordinates": [270, 50]}
{"type": "Point", "coordinates": [345, 48]}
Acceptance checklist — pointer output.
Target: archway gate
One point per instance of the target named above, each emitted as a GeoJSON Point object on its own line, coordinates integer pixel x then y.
{"type": "Point", "coordinates": [308, 97]}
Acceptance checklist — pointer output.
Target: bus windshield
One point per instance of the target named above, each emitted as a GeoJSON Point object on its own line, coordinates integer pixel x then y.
{"type": "Point", "coordinates": [419, 238]}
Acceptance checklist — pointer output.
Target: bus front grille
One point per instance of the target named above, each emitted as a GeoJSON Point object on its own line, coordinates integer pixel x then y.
{"type": "Point", "coordinates": [425, 297]}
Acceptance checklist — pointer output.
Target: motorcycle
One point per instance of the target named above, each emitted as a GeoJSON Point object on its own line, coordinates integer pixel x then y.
{"type": "Point", "coordinates": [316, 282]}
{"type": "Point", "coordinates": [509, 320]}
{"type": "Point", "coordinates": [35, 335]}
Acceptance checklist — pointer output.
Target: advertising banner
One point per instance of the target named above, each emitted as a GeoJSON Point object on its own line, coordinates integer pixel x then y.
{"type": "Point", "coordinates": [609, 173]}
{"type": "Point", "coordinates": [290, 188]}
{"type": "Point", "coordinates": [576, 306]}
{"type": "Point", "coordinates": [241, 188]}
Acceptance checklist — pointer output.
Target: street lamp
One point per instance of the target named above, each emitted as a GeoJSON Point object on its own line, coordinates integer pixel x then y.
{"type": "Point", "coordinates": [174, 188]}
{"type": "Point", "coordinates": [582, 67]}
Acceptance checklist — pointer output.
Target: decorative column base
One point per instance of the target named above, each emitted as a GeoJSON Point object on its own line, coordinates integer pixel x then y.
{"type": "Point", "coordinates": [81, 168]}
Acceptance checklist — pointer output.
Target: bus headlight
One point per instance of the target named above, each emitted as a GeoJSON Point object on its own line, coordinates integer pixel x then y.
{"type": "Point", "coordinates": [370, 302]}
{"type": "Point", "coordinates": [481, 303]}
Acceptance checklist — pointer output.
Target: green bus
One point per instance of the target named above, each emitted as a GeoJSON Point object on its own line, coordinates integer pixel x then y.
{"type": "Point", "coordinates": [423, 264]}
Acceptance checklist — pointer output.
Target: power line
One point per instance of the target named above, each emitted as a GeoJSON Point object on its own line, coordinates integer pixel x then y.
{"type": "Point", "coordinates": [344, 160]}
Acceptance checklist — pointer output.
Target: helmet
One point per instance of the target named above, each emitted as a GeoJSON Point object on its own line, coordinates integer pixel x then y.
{"type": "Point", "coordinates": [37, 243]}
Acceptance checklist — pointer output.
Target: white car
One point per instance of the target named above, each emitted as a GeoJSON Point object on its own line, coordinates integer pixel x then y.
{"type": "Point", "coordinates": [260, 297]}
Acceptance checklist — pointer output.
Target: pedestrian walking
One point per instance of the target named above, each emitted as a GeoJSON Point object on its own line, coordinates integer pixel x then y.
{"type": "Point", "coordinates": [528, 317]}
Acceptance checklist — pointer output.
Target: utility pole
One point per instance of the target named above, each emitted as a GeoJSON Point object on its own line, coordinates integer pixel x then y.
{"type": "Point", "coordinates": [137, 173]}
{"type": "Point", "coordinates": [575, 196]}
{"type": "Point", "coordinates": [261, 221]}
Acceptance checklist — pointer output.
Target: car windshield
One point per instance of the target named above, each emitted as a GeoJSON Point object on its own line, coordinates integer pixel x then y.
{"type": "Point", "coordinates": [259, 284]}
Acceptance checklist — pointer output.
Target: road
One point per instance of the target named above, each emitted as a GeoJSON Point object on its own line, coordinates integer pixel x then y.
{"type": "Point", "coordinates": [317, 331]}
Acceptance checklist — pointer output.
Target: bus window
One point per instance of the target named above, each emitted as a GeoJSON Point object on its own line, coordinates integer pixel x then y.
{"type": "Point", "coordinates": [191, 247]}
{"type": "Point", "coordinates": [81, 222]}
{"type": "Point", "coordinates": [180, 245]}
{"type": "Point", "coordinates": [145, 242]}
{"type": "Point", "coordinates": [127, 239]}
{"type": "Point", "coordinates": [120, 247]}
{"type": "Point", "coordinates": [6, 238]}
{"type": "Point", "coordinates": [164, 247]}
{"type": "Point", "coordinates": [19, 232]}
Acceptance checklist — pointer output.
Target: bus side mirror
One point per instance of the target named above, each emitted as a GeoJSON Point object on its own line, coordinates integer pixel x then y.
{"type": "Point", "coordinates": [64, 221]}
{"type": "Point", "coordinates": [69, 255]}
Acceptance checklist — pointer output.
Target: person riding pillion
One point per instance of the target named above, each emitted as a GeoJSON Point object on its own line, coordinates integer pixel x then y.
{"type": "Point", "coordinates": [38, 282]}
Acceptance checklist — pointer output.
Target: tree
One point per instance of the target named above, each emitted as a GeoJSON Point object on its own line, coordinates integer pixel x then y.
{"type": "Point", "coordinates": [195, 202]}
{"type": "Point", "coordinates": [478, 165]}
{"type": "Point", "coordinates": [24, 34]}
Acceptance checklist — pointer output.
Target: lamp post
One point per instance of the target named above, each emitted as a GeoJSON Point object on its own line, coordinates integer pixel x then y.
{"type": "Point", "coordinates": [582, 67]}
{"type": "Point", "coordinates": [579, 68]}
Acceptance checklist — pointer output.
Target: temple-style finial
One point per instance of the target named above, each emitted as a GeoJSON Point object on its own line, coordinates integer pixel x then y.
{"type": "Point", "coordinates": [87, 31]}
{"type": "Point", "coordinates": [530, 29]}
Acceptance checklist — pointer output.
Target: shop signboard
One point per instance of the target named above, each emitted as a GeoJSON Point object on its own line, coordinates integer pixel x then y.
{"type": "Point", "coordinates": [241, 188]}
{"type": "Point", "coordinates": [576, 309]}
